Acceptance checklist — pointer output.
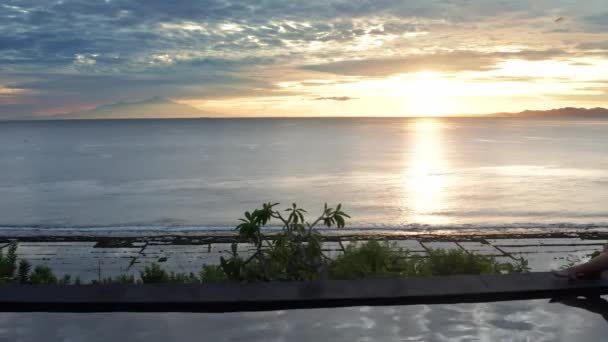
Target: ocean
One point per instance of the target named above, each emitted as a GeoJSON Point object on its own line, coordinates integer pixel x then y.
{"type": "Point", "coordinates": [388, 173]}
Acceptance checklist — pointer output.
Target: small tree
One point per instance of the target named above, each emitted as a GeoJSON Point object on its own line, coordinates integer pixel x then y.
{"type": "Point", "coordinates": [8, 263]}
{"type": "Point", "coordinates": [294, 253]}
{"type": "Point", "coordinates": [23, 273]}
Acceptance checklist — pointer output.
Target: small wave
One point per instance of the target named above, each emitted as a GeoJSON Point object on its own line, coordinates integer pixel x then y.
{"type": "Point", "coordinates": [159, 230]}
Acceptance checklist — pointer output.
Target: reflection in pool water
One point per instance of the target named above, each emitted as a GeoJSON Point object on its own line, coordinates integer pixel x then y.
{"type": "Point", "coordinates": [536, 320]}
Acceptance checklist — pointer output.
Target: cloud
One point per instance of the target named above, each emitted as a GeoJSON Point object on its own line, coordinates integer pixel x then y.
{"type": "Point", "coordinates": [50, 92]}
{"type": "Point", "coordinates": [335, 98]}
{"type": "Point", "coordinates": [596, 95]}
{"type": "Point", "coordinates": [455, 61]}
{"type": "Point", "coordinates": [597, 22]}
{"type": "Point", "coordinates": [602, 45]}
{"type": "Point", "coordinates": [451, 62]}
{"type": "Point", "coordinates": [85, 52]}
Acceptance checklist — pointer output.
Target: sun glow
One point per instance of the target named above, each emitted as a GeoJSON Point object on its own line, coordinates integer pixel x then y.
{"type": "Point", "coordinates": [429, 95]}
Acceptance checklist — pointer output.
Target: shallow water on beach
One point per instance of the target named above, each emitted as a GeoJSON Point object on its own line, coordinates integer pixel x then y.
{"type": "Point", "coordinates": [389, 173]}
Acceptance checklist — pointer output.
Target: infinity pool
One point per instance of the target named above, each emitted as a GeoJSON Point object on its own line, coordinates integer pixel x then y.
{"type": "Point", "coordinates": [536, 320]}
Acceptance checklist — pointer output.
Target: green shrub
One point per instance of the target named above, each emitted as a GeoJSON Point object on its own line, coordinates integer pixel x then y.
{"type": "Point", "coordinates": [11, 272]}
{"type": "Point", "coordinates": [375, 259]}
{"type": "Point", "coordinates": [121, 279]}
{"type": "Point", "coordinates": [455, 261]}
{"type": "Point", "coordinates": [371, 259]}
{"type": "Point", "coordinates": [23, 273]}
{"type": "Point", "coordinates": [212, 274]}
{"type": "Point", "coordinates": [42, 275]}
{"type": "Point", "coordinates": [8, 263]}
{"type": "Point", "coordinates": [183, 278]}
{"type": "Point", "coordinates": [154, 274]}
{"type": "Point", "coordinates": [65, 280]}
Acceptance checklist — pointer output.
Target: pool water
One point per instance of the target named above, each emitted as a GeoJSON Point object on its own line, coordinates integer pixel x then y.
{"type": "Point", "coordinates": [536, 320]}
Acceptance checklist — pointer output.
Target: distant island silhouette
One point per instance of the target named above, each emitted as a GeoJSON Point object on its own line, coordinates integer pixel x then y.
{"type": "Point", "coordinates": [159, 107]}
{"type": "Point", "coordinates": [153, 108]}
{"type": "Point", "coordinates": [559, 112]}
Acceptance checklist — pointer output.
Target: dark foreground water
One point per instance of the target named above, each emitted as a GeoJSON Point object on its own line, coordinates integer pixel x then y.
{"type": "Point", "coordinates": [536, 321]}
{"type": "Point", "coordinates": [389, 173]}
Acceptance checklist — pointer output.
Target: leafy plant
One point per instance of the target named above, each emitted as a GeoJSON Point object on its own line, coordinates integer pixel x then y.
{"type": "Point", "coordinates": [154, 274]}
{"type": "Point", "coordinates": [183, 278]}
{"type": "Point", "coordinates": [212, 274]}
{"type": "Point", "coordinates": [11, 272]}
{"type": "Point", "coordinates": [23, 273]}
{"type": "Point", "coordinates": [65, 280]}
{"type": "Point", "coordinates": [458, 261]}
{"type": "Point", "coordinates": [371, 259]}
{"type": "Point", "coordinates": [519, 266]}
{"type": "Point", "coordinates": [121, 279]}
{"type": "Point", "coordinates": [8, 263]}
{"type": "Point", "coordinates": [42, 275]}
{"type": "Point", "coordinates": [292, 254]}
{"type": "Point", "coordinates": [375, 259]}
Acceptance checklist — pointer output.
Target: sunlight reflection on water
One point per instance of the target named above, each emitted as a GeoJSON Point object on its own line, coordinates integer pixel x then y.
{"type": "Point", "coordinates": [423, 172]}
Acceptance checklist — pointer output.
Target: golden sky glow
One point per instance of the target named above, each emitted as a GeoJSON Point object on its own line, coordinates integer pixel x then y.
{"type": "Point", "coordinates": [515, 85]}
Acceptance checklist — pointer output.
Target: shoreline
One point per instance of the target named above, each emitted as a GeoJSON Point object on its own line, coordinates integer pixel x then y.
{"type": "Point", "coordinates": [118, 238]}
{"type": "Point", "coordinates": [93, 257]}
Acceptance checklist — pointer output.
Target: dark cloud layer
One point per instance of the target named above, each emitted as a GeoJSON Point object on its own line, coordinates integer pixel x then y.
{"type": "Point", "coordinates": [335, 98]}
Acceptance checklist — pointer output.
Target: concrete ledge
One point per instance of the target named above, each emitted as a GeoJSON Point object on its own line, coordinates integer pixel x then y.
{"type": "Point", "coordinates": [292, 295]}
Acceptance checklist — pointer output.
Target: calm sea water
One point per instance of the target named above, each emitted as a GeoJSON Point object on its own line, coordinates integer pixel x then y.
{"type": "Point", "coordinates": [388, 173]}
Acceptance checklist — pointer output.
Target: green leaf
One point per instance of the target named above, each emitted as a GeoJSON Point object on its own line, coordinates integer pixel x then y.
{"type": "Point", "coordinates": [340, 221]}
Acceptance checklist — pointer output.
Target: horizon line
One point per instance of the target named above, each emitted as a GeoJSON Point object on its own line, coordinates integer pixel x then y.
{"type": "Point", "coordinates": [523, 113]}
{"type": "Point", "coordinates": [472, 116]}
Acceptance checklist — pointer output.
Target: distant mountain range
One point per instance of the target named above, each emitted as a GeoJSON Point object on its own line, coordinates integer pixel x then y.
{"type": "Point", "coordinates": [155, 107]}
{"type": "Point", "coordinates": [554, 113]}
{"type": "Point", "coordinates": [159, 107]}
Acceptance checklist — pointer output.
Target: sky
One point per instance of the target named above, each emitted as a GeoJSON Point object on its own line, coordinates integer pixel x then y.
{"type": "Point", "coordinates": [304, 58]}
